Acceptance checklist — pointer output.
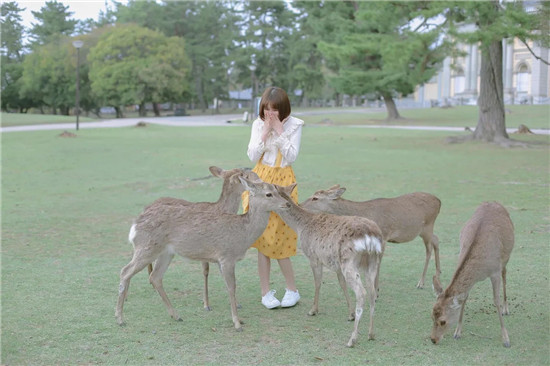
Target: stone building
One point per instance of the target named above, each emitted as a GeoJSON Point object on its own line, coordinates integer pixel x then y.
{"type": "Point", "coordinates": [525, 78]}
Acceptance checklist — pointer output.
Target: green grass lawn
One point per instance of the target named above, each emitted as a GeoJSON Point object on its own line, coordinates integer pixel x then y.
{"type": "Point", "coordinates": [533, 116]}
{"type": "Point", "coordinates": [68, 204]}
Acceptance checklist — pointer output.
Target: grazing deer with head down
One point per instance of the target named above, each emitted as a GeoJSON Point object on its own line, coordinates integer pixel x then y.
{"type": "Point", "coordinates": [228, 202]}
{"type": "Point", "coordinates": [206, 236]}
{"type": "Point", "coordinates": [401, 219]}
{"type": "Point", "coordinates": [345, 244]}
{"type": "Point", "coordinates": [486, 241]}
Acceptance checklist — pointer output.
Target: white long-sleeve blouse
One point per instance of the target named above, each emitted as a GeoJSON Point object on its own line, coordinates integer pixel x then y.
{"type": "Point", "coordinates": [288, 142]}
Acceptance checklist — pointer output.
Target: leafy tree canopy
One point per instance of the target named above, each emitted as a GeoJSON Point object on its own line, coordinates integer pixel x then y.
{"type": "Point", "coordinates": [135, 65]}
{"type": "Point", "coordinates": [53, 20]}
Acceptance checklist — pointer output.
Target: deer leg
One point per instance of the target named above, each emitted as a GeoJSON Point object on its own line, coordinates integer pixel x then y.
{"type": "Point", "coordinates": [228, 273]}
{"type": "Point", "coordinates": [435, 245]}
{"type": "Point", "coordinates": [137, 263]}
{"type": "Point", "coordinates": [205, 272]}
{"type": "Point", "coordinates": [428, 245]}
{"type": "Point", "coordinates": [317, 277]}
{"type": "Point", "coordinates": [371, 278]}
{"type": "Point", "coordinates": [161, 265]}
{"type": "Point", "coordinates": [458, 330]}
{"type": "Point", "coordinates": [353, 279]}
{"type": "Point", "coordinates": [495, 281]}
{"type": "Point", "coordinates": [505, 310]}
{"type": "Point", "coordinates": [344, 287]}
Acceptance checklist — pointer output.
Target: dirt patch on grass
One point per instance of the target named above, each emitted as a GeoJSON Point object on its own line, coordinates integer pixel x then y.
{"type": "Point", "coordinates": [67, 134]}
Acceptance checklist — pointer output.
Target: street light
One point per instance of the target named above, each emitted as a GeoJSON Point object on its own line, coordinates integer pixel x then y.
{"type": "Point", "coordinates": [77, 44]}
{"type": "Point", "coordinates": [252, 76]}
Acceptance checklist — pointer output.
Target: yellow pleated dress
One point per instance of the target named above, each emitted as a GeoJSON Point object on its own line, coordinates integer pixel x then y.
{"type": "Point", "coordinates": [278, 240]}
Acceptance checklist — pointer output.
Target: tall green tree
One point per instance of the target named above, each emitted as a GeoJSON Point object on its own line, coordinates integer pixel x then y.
{"type": "Point", "coordinates": [53, 21]}
{"type": "Point", "coordinates": [374, 48]}
{"type": "Point", "coordinates": [304, 70]}
{"type": "Point", "coordinates": [12, 55]}
{"type": "Point", "coordinates": [493, 22]}
{"type": "Point", "coordinates": [135, 65]}
{"type": "Point", "coordinates": [49, 77]}
{"type": "Point", "coordinates": [266, 29]}
{"type": "Point", "coordinates": [209, 29]}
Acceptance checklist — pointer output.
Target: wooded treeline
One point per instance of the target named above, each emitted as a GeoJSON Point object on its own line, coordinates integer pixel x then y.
{"type": "Point", "coordinates": [193, 52]}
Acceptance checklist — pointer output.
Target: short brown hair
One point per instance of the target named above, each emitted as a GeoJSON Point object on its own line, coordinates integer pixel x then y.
{"type": "Point", "coordinates": [275, 98]}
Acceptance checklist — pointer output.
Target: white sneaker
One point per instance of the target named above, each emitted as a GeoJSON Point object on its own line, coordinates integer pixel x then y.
{"type": "Point", "coordinates": [270, 301]}
{"type": "Point", "coordinates": [290, 299]}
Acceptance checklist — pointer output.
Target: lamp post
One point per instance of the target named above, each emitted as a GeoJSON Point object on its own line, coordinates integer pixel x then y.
{"type": "Point", "coordinates": [252, 99]}
{"type": "Point", "coordinates": [77, 44]}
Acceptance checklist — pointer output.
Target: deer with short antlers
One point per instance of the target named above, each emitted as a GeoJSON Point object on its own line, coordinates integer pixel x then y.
{"type": "Point", "coordinates": [486, 241]}
{"type": "Point", "coordinates": [205, 236]}
{"type": "Point", "coordinates": [348, 245]}
{"type": "Point", "coordinates": [228, 202]}
{"type": "Point", "coordinates": [401, 218]}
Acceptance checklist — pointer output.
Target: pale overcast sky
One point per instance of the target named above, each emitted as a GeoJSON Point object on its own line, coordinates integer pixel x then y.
{"type": "Point", "coordinates": [81, 9]}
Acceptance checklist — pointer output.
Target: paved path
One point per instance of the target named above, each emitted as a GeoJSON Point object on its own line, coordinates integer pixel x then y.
{"type": "Point", "coordinates": [187, 121]}
{"type": "Point", "coordinates": [212, 120]}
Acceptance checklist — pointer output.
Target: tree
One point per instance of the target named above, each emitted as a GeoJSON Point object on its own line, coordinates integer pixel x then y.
{"type": "Point", "coordinates": [373, 48]}
{"type": "Point", "coordinates": [49, 77]}
{"type": "Point", "coordinates": [494, 22]}
{"type": "Point", "coordinates": [134, 65]}
{"type": "Point", "coordinates": [266, 28]}
{"type": "Point", "coordinates": [304, 69]}
{"type": "Point", "coordinates": [53, 22]}
{"type": "Point", "coordinates": [209, 30]}
{"type": "Point", "coordinates": [11, 57]}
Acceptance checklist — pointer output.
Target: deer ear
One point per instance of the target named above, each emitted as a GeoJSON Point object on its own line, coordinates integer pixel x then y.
{"type": "Point", "coordinates": [290, 188]}
{"type": "Point", "coordinates": [249, 186]}
{"type": "Point", "coordinates": [438, 289]}
{"type": "Point", "coordinates": [253, 176]}
{"type": "Point", "coordinates": [336, 193]}
{"type": "Point", "coordinates": [217, 172]}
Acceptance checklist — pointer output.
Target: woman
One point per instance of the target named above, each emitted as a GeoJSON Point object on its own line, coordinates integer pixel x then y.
{"type": "Point", "coordinates": [274, 146]}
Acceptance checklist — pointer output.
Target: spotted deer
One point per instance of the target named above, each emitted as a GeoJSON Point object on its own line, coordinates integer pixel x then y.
{"type": "Point", "coordinates": [486, 241]}
{"type": "Point", "coordinates": [401, 219]}
{"type": "Point", "coordinates": [206, 236]}
{"type": "Point", "coordinates": [348, 245]}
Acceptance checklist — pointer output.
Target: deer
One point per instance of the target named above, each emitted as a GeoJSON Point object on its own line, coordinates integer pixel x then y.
{"type": "Point", "coordinates": [486, 242]}
{"type": "Point", "coordinates": [401, 218]}
{"type": "Point", "coordinates": [348, 245]}
{"type": "Point", "coordinates": [228, 202]}
{"type": "Point", "coordinates": [207, 236]}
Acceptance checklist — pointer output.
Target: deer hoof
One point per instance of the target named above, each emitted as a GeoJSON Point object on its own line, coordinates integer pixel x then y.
{"type": "Point", "coordinates": [207, 308]}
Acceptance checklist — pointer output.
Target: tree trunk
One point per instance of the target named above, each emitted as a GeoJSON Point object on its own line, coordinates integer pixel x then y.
{"type": "Point", "coordinates": [142, 110]}
{"type": "Point", "coordinates": [391, 108]}
{"type": "Point", "coordinates": [156, 109]}
{"type": "Point", "coordinates": [491, 125]}
{"type": "Point", "coordinates": [119, 113]}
